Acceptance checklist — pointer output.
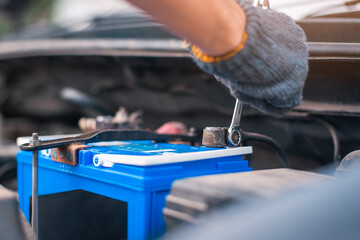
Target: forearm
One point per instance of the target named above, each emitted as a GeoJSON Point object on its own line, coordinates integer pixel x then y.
{"type": "Point", "coordinates": [215, 26]}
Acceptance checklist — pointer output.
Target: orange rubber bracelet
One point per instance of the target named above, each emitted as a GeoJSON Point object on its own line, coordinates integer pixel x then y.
{"type": "Point", "coordinates": [213, 59]}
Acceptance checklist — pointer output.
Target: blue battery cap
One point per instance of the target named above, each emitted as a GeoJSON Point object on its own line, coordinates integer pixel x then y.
{"type": "Point", "coordinates": [149, 153]}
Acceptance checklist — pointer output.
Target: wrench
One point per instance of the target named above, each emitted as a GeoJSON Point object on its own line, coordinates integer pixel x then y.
{"type": "Point", "coordinates": [234, 134]}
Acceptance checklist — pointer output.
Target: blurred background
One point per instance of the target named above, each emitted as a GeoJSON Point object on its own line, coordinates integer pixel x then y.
{"type": "Point", "coordinates": [74, 66]}
{"type": "Point", "coordinates": [18, 14]}
{"type": "Point", "coordinates": [66, 60]}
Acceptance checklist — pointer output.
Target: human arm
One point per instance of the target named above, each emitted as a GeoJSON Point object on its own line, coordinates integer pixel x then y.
{"type": "Point", "coordinates": [268, 68]}
{"type": "Point", "coordinates": [215, 26]}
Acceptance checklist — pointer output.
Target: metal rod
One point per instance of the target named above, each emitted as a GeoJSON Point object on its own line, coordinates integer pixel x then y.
{"type": "Point", "coordinates": [35, 198]}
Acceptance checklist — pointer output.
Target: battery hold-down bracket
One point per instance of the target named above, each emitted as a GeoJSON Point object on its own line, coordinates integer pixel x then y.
{"type": "Point", "coordinates": [67, 154]}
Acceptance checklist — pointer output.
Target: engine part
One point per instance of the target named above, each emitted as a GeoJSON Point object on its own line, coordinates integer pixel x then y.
{"type": "Point", "coordinates": [318, 210]}
{"type": "Point", "coordinates": [13, 224]}
{"type": "Point", "coordinates": [192, 197]}
{"type": "Point", "coordinates": [121, 120]}
{"type": "Point", "coordinates": [82, 99]}
{"type": "Point", "coordinates": [350, 164]}
{"type": "Point", "coordinates": [174, 127]}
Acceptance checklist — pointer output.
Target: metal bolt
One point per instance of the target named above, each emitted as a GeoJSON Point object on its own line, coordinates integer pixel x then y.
{"type": "Point", "coordinates": [192, 132]}
{"type": "Point", "coordinates": [35, 197]}
{"type": "Point", "coordinates": [214, 137]}
{"type": "Point", "coordinates": [235, 137]}
{"type": "Point", "coordinates": [104, 122]}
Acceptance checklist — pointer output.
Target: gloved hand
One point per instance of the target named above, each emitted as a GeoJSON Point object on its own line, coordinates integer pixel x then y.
{"type": "Point", "coordinates": [270, 69]}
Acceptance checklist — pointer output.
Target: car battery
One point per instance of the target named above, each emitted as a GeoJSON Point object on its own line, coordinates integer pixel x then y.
{"type": "Point", "coordinates": [115, 190]}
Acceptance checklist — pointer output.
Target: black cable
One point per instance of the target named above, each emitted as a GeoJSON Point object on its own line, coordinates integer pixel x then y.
{"type": "Point", "coordinates": [330, 128]}
{"type": "Point", "coordinates": [272, 142]}
{"type": "Point", "coordinates": [82, 99]}
{"type": "Point", "coordinates": [6, 168]}
{"type": "Point", "coordinates": [334, 137]}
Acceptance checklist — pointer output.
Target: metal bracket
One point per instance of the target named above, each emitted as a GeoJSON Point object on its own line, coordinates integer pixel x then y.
{"type": "Point", "coordinates": [110, 135]}
{"type": "Point", "coordinates": [67, 154]}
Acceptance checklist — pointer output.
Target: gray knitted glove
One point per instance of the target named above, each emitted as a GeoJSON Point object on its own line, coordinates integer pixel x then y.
{"type": "Point", "coordinates": [270, 70]}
